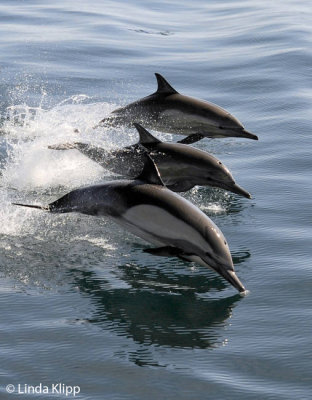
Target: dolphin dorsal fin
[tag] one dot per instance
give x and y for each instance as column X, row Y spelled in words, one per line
column 150, row 173
column 145, row 136
column 163, row 86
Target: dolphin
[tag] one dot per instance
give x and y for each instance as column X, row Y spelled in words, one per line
column 181, row 166
column 167, row 110
column 146, row 208
column 127, row 161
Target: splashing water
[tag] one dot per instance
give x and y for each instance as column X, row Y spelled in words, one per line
column 30, row 170
column 33, row 173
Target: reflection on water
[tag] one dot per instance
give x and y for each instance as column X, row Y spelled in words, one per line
column 67, row 65
column 156, row 317
column 160, row 307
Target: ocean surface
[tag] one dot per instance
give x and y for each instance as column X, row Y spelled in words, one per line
column 81, row 304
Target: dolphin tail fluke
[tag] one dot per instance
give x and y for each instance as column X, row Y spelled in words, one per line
column 45, row 208
column 195, row 137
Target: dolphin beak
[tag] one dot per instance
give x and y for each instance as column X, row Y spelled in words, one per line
column 239, row 190
column 248, row 135
column 234, row 188
column 232, row 278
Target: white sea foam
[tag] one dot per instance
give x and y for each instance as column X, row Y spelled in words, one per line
column 97, row 241
column 31, row 170
column 213, row 207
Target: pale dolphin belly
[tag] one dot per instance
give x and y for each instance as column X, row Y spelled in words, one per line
column 161, row 227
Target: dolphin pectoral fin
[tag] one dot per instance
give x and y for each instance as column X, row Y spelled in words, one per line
column 181, row 186
column 150, row 173
column 163, row 86
column 166, row 251
column 193, row 138
column 145, row 136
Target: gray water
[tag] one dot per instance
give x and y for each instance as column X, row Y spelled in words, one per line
column 81, row 304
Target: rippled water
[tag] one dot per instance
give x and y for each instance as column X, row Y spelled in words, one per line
column 80, row 302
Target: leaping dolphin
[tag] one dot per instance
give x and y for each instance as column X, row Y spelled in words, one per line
column 167, row 110
column 148, row 209
column 181, row 167
column 128, row 161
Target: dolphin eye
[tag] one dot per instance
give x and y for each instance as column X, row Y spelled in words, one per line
column 220, row 163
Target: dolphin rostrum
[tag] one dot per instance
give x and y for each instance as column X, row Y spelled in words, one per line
column 181, row 166
column 148, row 209
column 167, row 110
